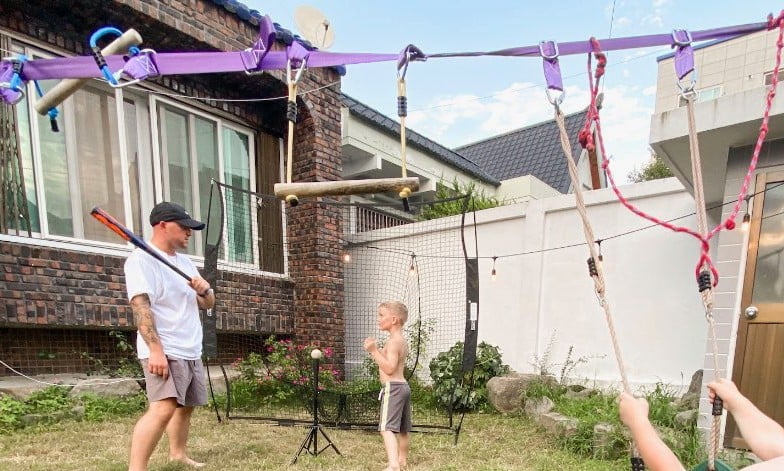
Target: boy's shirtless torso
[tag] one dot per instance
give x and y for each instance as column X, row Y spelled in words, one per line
column 395, row 344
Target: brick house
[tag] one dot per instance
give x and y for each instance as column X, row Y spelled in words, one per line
column 62, row 285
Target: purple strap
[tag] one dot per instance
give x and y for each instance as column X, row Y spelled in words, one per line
column 408, row 54
column 9, row 95
column 141, row 66
column 684, row 53
column 252, row 57
column 216, row 62
column 583, row 47
column 297, row 54
column 552, row 71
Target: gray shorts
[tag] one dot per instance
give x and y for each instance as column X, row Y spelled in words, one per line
column 184, row 383
column 395, row 407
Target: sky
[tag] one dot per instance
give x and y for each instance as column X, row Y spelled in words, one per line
column 457, row 101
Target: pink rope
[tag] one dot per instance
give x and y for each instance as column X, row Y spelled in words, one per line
column 586, row 139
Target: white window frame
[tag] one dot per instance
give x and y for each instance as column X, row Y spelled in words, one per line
column 700, row 95
column 162, row 191
column 151, row 181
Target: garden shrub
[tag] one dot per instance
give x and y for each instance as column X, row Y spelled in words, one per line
column 465, row 391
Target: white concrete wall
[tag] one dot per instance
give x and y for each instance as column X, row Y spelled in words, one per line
column 522, row 189
column 543, row 291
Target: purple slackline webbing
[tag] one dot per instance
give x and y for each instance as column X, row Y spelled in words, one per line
column 584, row 47
column 178, row 63
column 215, row 62
column 684, row 54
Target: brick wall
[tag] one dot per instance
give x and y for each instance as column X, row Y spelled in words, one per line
column 52, row 288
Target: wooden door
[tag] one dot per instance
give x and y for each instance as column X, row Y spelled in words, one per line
column 759, row 351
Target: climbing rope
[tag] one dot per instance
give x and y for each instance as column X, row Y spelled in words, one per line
column 595, row 268
column 706, row 273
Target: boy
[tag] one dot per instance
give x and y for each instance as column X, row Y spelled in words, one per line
column 764, row 436
column 395, row 393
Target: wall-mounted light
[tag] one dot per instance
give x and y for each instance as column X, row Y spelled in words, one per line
column 493, row 272
column 746, row 217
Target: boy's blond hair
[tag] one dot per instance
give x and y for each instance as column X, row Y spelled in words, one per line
column 399, row 309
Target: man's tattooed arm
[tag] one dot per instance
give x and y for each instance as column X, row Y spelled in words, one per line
column 142, row 317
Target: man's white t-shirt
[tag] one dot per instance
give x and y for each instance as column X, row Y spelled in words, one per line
column 174, row 307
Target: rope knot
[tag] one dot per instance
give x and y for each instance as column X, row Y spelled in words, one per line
column 586, row 139
column 777, row 22
column 601, row 58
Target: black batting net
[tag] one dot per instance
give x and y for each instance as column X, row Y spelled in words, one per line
column 262, row 368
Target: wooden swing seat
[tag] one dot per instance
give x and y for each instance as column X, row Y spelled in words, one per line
column 345, row 187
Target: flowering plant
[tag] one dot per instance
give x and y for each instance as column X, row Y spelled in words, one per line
column 285, row 367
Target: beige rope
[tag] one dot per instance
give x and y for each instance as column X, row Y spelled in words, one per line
column 598, row 279
column 707, row 295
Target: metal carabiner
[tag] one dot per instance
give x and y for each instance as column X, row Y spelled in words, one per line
column 550, row 57
column 679, row 42
column 687, row 91
column 298, row 73
column 552, row 72
column 15, row 84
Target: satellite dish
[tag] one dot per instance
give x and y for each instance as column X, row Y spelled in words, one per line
column 314, row 26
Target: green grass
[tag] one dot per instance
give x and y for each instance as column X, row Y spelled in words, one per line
column 487, row 442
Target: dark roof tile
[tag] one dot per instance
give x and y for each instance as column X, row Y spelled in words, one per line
column 533, row 150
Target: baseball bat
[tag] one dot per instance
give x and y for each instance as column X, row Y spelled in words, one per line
column 107, row 220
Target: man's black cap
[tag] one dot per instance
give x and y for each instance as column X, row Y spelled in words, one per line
column 167, row 212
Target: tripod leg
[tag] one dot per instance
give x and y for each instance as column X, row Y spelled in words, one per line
column 305, row 446
column 330, row 443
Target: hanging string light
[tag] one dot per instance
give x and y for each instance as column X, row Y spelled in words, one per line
column 746, row 217
column 599, row 245
column 493, row 272
column 346, row 257
column 412, row 269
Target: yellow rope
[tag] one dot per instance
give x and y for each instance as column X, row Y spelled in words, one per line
column 401, row 93
column 290, row 144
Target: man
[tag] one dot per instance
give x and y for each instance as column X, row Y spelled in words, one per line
column 169, row 341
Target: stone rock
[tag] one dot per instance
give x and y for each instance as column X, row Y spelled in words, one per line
column 687, row 418
column 558, row 424
column 688, row 401
column 537, row 406
column 574, row 392
column 217, row 379
column 695, row 386
column 505, row 392
column 605, row 444
column 104, row 386
column 78, row 411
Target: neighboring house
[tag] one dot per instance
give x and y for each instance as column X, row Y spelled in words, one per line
column 535, row 153
column 371, row 149
column 517, row 166
column 125, row 149
column 733, row 78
